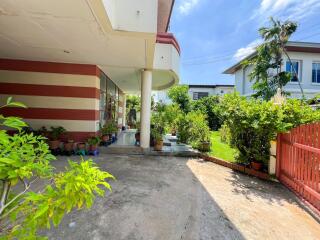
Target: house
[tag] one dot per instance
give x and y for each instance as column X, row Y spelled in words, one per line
column 199, row 91
column 196, row 92
column 73, row 62
column 306, row 60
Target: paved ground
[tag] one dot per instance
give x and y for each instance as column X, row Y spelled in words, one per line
column 179, row 198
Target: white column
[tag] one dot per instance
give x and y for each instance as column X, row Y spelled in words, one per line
column 145, row 115
column 124, row 110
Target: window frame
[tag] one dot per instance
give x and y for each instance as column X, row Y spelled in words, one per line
column 315, row 83
column 300, row 62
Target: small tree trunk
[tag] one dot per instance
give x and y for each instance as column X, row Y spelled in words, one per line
column 4, row 195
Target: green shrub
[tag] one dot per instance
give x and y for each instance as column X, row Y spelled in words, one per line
column 211, row 107
column 193, row 128
column 179, row 95
column 26, row 158
column 225, row 134
column 254, row 123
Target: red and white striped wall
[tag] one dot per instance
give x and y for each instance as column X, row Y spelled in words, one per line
column 57, row 94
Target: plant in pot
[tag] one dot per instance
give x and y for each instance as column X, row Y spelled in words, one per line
column 93, row 143
column 205, row 144
column 158, row 140
column 105, row 134
column 55, row 134
column 68, row 146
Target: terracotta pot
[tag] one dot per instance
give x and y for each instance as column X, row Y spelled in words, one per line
column 158, row 145
column 68, row 146
column 256, row 165
column 105, row 138
column 81, row 146
column 93, row 147
column 54, row 144
column 205, row 146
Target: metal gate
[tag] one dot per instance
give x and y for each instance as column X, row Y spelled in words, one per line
column 298, row 162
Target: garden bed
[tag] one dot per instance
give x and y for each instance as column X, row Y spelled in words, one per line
column 236, row 167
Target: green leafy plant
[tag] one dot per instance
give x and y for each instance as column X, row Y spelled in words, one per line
column 93, row 141
column 210, row 107
column 25, row 159
column 253, row 123
column 109, row 128
column 56, row 132
column 158, row 122
column 193, row 128
column 267, row 74
column 179, row 95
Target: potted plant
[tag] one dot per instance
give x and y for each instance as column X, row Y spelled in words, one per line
column 109, row 129
column 81, row 146
column 256, row 165
column 158, row 141
column 93, row 143
column 68, row 146
column 55, row 135
column 205, row 144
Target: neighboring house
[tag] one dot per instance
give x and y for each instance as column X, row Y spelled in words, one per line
column 306, row 60
column 73, row 62
column 199, row 91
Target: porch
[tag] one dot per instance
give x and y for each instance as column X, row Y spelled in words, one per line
column 126, row 144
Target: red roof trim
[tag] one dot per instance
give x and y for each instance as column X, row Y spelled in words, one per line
column 168, row 38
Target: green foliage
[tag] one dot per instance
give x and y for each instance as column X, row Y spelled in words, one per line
column 225, row 135
column 109, row 128
column 210, row 107
column 179, row 95
column 193, row 128
column 56, row 132
column 254, row 123
column 158, row 121
column 93, row 141
column 267, row 74
column 25, row 158
column 75, row 188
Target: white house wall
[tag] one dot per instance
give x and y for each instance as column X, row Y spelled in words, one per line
column 134, row 16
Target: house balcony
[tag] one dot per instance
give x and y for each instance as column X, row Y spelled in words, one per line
column 166, row 61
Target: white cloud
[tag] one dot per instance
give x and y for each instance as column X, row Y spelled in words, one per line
column 286, row 9
column 246, row 51
column 186, row 6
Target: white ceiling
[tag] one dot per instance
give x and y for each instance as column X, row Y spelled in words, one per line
column 67, row 31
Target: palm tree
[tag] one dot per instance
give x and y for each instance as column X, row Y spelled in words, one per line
column 278, row 36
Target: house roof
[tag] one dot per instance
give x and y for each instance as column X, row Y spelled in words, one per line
column 210, row 86
column 290, row 46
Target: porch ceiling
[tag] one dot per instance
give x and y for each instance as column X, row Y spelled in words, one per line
column 75, row 31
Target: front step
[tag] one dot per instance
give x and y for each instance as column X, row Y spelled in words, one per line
column 130, row 150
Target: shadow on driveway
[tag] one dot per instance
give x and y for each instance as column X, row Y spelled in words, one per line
column 180, row 198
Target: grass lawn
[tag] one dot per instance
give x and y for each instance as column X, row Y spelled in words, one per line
column 221, row 150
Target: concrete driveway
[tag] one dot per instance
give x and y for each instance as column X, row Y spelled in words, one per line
column 180, row 198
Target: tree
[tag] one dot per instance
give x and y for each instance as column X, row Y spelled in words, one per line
column 26, row 158
column 179, row 95
column 267, row 62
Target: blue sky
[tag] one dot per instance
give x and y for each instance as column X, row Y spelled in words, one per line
column 214, row 34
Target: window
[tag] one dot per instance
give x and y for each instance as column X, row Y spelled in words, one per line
column 198, row 95
column 316, row 72
column 291, row 67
